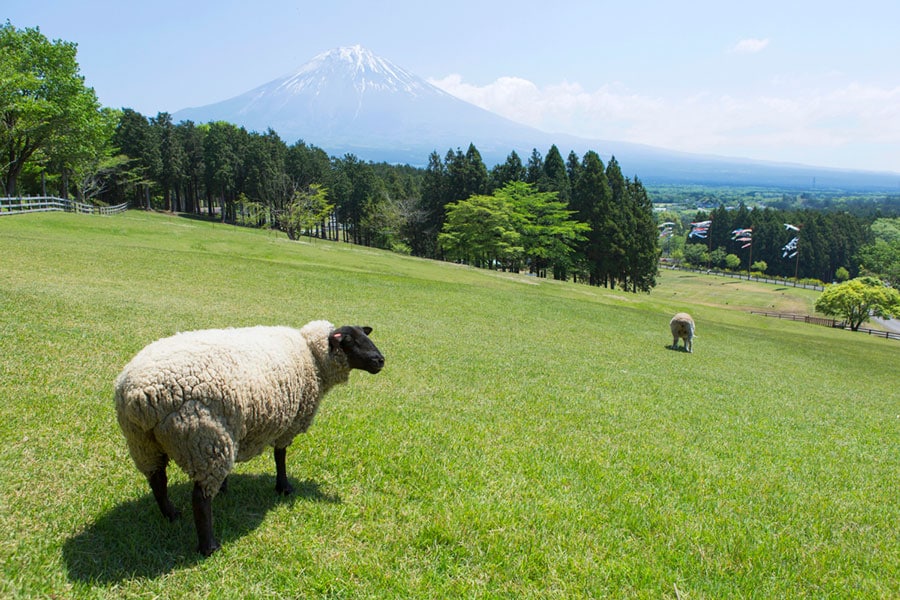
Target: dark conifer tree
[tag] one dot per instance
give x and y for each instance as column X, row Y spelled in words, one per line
column 573, row 168
column 642, row 253
column 556, row 179
column 171, row 174
column 534, row 171
column 135, row 138
column 619, row 227
column 191, row 139
column 476, row 174
column 359, row 197
column 222, row 151
column 510, row 171
column 591, row 198
column 435, row 193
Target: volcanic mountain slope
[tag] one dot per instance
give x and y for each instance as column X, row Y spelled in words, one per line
column 348, row 100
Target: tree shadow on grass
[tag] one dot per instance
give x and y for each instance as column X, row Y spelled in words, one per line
column 200, row 217
column 134, row 540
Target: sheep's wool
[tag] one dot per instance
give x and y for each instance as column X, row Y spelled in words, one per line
column 682, row 326
column 207, row 399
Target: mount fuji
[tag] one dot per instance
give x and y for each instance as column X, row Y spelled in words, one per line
column 348, row 100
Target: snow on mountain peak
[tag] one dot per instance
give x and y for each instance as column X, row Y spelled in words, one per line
column 357, row 66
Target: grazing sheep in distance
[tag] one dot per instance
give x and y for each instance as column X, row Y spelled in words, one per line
column 207, row 399
column 682, row 326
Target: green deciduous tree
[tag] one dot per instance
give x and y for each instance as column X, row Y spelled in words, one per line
column 547, row 230
column 718, row 256
column 882, row 257
column 760, row 266
column 858, row 299
column 696, row 255
column 480, row 231
column 46, row 111
column 306, row 210
column 732, row 262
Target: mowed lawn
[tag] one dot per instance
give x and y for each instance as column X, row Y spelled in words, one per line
column 526, row 439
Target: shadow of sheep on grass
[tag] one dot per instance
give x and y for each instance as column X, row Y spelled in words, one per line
column 101, row 554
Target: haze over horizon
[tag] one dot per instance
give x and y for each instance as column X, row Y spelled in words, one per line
column 806, row 82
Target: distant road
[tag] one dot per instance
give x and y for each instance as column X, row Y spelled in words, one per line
column 889, row 324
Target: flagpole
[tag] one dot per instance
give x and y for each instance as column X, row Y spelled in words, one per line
column 750, row 259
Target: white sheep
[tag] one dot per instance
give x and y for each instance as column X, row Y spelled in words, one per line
column 682, row 326
column 207, row 399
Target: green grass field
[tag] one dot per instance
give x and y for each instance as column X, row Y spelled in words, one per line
column 526, row 439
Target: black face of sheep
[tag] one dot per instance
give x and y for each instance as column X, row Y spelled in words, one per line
column 361, row 353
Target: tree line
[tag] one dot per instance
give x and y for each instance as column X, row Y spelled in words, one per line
column 828, row 246
column 577, row 219
column 572, row 218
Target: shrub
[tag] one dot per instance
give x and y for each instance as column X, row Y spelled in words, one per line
column 733, row 262
column 696, row 254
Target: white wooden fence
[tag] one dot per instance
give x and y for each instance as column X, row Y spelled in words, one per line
column 30, row 204
column 763, row 279
column 891, row 335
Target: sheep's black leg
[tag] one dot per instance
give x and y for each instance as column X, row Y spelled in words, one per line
column 159, row 483
column 224, row 487
column 207, row 543
column 282, row 486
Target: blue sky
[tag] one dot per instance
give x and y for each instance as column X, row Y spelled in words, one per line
column 812, row 82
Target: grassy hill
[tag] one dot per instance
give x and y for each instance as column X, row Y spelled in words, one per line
column 526, row 439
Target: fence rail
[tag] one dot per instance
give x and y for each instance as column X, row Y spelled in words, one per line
column 32, row 204
column 827, row 322
column 763, row 279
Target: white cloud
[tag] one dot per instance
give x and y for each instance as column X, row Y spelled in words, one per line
column 806, row 125
column 750, row 46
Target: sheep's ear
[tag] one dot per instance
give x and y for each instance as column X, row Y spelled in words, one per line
column 334, row 340
column 367, row 330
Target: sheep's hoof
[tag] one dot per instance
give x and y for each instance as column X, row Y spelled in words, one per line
column 171, row 513
column 285, row 489
column 209, row 548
